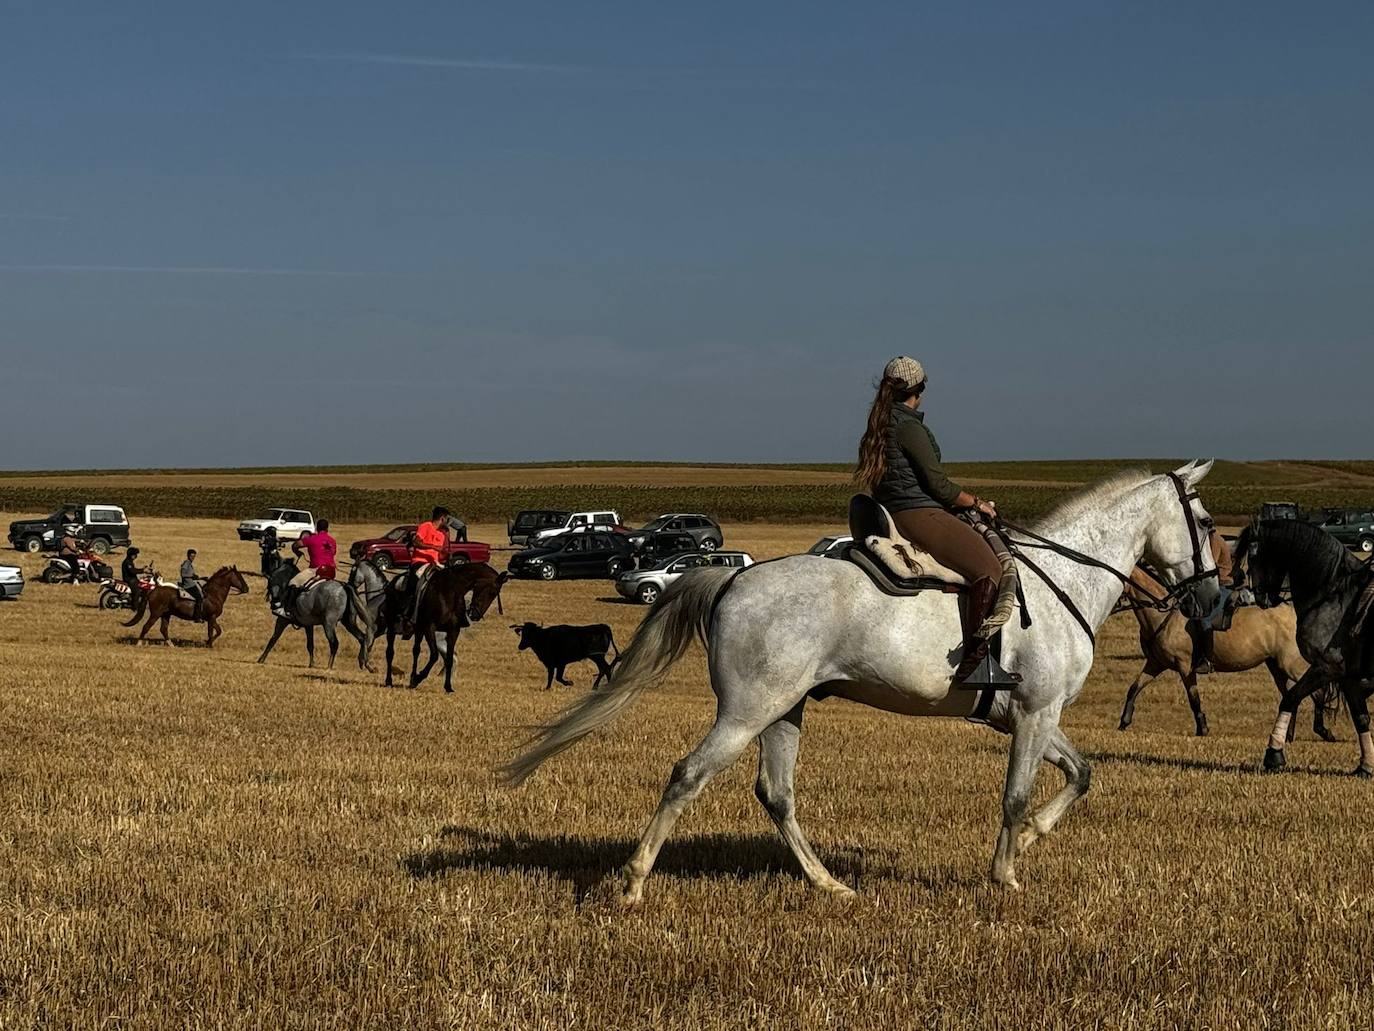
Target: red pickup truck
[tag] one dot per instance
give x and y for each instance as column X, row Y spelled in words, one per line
column 393, row 549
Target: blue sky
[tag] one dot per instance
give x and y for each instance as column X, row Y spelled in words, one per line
column 413, row 232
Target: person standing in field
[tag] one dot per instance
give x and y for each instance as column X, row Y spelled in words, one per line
column 426, row 553
column 190, row 583
column 900, row 465
column 321, row 551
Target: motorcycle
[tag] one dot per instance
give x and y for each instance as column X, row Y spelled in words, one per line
column 89, row 570
column 115, row 594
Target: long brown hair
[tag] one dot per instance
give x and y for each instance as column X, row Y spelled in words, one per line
column 873, row 447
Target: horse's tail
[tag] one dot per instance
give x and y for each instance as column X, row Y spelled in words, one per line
column 359, row 606
column 682, row 612
column 140, row 606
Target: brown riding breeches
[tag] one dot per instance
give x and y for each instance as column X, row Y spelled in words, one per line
column 950, row 540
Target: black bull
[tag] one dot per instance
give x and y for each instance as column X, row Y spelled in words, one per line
column 557, row 647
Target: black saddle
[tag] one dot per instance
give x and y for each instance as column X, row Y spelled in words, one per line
column 868, row 519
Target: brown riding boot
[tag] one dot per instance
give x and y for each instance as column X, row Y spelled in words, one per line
column 982, row 595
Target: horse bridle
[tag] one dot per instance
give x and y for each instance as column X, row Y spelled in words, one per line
column 1186, row 498
column 1172, row 593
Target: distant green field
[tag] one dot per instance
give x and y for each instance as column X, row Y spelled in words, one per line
column 785, row 502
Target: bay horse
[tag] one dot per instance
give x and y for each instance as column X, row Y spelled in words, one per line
column 779, row 631
column 166, row 601
column 442, row 608
column 1327, row 582
column 1257, row 635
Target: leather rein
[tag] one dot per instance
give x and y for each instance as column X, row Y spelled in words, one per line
column 1172, row 594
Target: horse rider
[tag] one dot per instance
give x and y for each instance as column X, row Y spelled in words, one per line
column 1203, row 630
column 426, row 552
column 69, row 551
column 190, row 583
column 900, row 465
column 321, row 551
column 268, row 545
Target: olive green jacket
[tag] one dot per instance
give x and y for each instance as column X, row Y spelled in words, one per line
column 914, row 477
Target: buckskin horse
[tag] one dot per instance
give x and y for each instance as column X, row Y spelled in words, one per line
column 778, row 631
column 166, row 601
column 1257, row 635
column 441, row 609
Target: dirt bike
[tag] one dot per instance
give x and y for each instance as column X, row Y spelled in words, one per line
column 89, row 570
column 115, row 594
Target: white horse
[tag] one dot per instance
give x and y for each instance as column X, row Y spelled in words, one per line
column 784, row 629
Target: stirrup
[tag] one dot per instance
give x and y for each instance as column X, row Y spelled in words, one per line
column 989, row 673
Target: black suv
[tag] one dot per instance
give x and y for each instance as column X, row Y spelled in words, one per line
column 600, row 555
column 705, row 531
column 1353, row 527
column 101, row 526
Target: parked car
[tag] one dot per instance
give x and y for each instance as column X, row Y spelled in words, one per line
column 1353, row 527
column 704, row 530
column 595, row 554
column 646, row 584
column 393, row 549
column 663, row 544
column 102, row 527
column 529, row 522
column 831, row 547
column 604, row 521
column 290, row 523
column 11, row 581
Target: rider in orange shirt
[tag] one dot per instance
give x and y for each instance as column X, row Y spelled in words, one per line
column 426, row 551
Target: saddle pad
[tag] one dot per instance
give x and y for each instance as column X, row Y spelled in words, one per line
column 905, row 561
column 894, row 585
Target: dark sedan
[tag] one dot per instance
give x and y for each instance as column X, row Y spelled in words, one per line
column 587, row 555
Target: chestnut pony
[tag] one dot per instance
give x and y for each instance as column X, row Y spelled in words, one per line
column 166, row 601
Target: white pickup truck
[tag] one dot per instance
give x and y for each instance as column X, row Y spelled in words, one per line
column 290, row 523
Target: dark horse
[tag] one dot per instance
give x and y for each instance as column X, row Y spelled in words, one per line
column 166, row 601
column 441, row 609
column 1327, row 582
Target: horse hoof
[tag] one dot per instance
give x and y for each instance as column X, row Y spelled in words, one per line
column 1327, row 736
column 1274, row 760
column 1123, row 725
column 1363, row 772
column 1202, row 730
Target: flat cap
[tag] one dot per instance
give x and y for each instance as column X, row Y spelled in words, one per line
column 906, row 371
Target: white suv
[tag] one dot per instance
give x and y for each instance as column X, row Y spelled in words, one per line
column 290, row 523
column 603, row 520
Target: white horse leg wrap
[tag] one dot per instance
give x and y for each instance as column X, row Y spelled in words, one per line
column 1279, row 737
column 1367, row 750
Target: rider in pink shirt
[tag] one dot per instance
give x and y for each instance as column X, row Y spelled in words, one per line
column 321, row 550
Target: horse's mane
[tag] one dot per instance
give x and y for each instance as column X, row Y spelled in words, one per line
column 1306, row 542
column 1092, row 495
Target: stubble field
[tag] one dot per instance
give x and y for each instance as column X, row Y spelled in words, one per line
column 190, row 839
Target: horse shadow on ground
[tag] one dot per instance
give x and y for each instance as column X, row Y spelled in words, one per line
column 584, row 863
column 157, row 642
column 1204, row 765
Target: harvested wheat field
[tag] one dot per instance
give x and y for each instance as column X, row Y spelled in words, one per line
column 194, row 840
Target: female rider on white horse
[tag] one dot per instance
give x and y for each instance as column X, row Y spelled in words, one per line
column 899, row 464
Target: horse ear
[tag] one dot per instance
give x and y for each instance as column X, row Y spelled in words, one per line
column 1193, row 473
